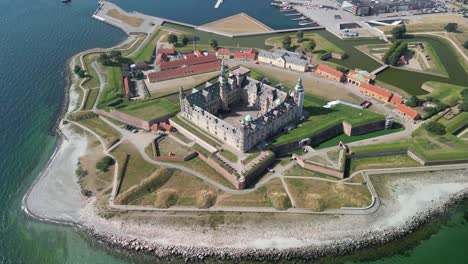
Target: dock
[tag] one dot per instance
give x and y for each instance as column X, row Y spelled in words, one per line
column 218, row 3
column 380, row 69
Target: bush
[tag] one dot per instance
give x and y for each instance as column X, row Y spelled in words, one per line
column 342, row 69
column 465, row 45
column 435, row 128
column 311, row 45
column 399, row 31
column 166, row 198
column 287, row 42
column 214, row 44
column 205, row 199
column 172, row 39
column 451, row 27
column 105, row 163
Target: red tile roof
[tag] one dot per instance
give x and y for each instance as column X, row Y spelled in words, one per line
column 224, row 52
column 329, row 70
column 126, row 86
column 245, row 54
column 184, row 71
column 396, row 100
column 408, row 111
column 198, row 53
column 187, row 62
column 376, row 89
column 166, row 50
column 189, row 55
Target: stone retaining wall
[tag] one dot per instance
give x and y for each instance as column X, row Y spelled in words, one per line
column 132, row 120
column 193, row 137
column 228, row 176
column 317, row 168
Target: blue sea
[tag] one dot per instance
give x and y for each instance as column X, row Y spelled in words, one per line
column 37, row 37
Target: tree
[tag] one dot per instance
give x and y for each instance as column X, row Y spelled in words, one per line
column 451, row 27
column 311, row 45
column 104, row 59
column 172, row 39
column 81, row 73
column 214, row 44
column 115, row 55
column 185, row 40
column 435, row 128
column 287, row 42
column 413, row 101
column 77, row 69
column 464, row 93
column 463, row 106
column 399, row 31
column 465, row 45
column 300, row 36
column 104, row 163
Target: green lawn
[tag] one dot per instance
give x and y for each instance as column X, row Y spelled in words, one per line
column 392, row 146
column 297, row 170
column 109, row 134
column 92, row 96
column 197, row 132
column 93, row 80
column 348, row 139
column 151, row 109
column 322, row 45
column 448, row 94
column 321, row 118
column 456, row 122
column 146, row 52
column 393, row 161
column 228, row 155
column 137, row 168
column 114, row 88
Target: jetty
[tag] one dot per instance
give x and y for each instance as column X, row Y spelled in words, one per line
column 218, row 3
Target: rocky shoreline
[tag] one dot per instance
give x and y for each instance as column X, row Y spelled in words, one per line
column 133, row 245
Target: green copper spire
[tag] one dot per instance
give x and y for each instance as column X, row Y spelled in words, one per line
column 299, row 87
column 222, row 77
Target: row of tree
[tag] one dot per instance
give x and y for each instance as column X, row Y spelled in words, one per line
column 174, row 39
column 398, row 49
column 113, row 58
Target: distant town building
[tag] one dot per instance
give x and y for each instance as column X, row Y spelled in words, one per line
column 223, row 54
column 267, row 110
column 372, row 7
column 330, row 73
column 284, row 59
column 245, row 55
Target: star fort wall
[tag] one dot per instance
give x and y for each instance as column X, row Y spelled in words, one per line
column 240, row 110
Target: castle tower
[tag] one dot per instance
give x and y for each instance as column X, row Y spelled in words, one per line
column 223, row 88
column 182, row 99
column 299, row 97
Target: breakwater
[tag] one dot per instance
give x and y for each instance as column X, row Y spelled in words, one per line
column 341, row 247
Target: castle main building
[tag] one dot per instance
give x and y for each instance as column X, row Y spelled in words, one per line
column 240, row 110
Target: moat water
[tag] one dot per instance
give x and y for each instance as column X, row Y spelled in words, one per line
column 37, row 37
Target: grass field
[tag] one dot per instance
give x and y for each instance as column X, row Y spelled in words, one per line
column 348, row 139
column 190, row 191
column 394, row 161
column 320, row 195
column 92, row 96
column 151, row 109
column 228, row 155
column 169, row 145
column 145, row 53
column 137, row 168
column 197, row 132
column 322, row 118
column 271, row 194
column 93, row 80
column 448, row 94
column 200, row 166
column 114, row 88
column 322, row 45
column 455, row 123
column 109, row 134
column 297, row 170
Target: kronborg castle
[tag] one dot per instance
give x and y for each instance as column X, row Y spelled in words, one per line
column 240, row 110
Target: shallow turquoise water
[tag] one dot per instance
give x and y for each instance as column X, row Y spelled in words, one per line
column 36, row 39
